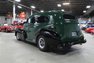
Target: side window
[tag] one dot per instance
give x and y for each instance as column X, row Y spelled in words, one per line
column 42, row 19
column 31, row 20
column 38, row 19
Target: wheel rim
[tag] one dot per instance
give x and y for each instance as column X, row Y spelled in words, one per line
column 41, row 43
column 17, row 36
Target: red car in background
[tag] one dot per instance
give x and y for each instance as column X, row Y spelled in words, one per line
column 0, row 28
column 7, row 28
column 19, row 26
column 89, row 30
column 11, row 28
column 92, row 32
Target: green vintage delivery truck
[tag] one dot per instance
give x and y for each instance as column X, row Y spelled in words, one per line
column 51, row 30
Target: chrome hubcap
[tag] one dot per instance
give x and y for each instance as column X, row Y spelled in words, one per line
column 41, row 43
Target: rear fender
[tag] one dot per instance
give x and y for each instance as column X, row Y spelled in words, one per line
column 53, row 39
column 49, row 34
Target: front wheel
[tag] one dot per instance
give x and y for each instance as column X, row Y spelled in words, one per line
column 23, row 37
column 42, row 43
column 18, row 37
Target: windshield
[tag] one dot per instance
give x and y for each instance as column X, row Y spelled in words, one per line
column 66, row 16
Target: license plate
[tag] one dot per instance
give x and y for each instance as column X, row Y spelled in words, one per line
column 74, row 34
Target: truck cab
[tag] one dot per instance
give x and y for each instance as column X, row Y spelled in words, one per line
column 51, row 29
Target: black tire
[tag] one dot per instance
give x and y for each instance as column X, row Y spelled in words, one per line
column 18, row 36
column 42, row 43
column 23, row 37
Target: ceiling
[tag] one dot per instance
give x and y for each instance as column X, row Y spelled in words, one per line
column 76, row 7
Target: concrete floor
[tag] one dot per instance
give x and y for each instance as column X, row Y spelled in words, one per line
column 13, row 51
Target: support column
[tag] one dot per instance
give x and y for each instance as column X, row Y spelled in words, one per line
column 14, row 11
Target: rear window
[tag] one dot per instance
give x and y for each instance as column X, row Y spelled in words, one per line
column 69, row 19
column 66, row 16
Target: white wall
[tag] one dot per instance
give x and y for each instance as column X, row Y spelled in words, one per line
column 9, row 21
column 2, row 20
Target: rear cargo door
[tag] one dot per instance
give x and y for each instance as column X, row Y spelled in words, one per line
column 71, row 28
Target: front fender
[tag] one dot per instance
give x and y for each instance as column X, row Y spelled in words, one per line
column 18, row 31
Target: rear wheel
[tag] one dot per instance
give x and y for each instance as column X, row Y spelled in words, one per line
column 42, row 43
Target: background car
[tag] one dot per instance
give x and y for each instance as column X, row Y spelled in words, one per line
column 19, row 26
column 7, row 28
column 0, row 28
column 89, row 27
column 89, row 30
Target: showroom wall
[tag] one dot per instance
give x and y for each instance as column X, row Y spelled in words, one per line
column 2, row 19
column 9, row 21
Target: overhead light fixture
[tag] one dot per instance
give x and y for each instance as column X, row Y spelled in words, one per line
column 41, row 10
column 19, row 7
column 84, row 11
column 33, row 7
column 66, row 3
column 58, row 5
column 88, row 6
column 62, row 10
column 18, row 0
